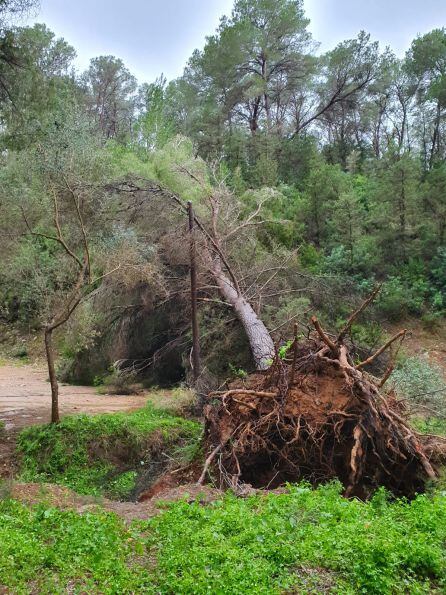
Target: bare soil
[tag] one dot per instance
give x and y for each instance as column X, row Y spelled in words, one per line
column 423, row 342
column 64, row 498
column 25, row 400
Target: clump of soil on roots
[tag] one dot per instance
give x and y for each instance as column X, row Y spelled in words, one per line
column 315, row 416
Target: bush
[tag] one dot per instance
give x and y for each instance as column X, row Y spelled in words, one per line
column 105, row 454
column 393, row 300
column 418, row 380
column 431, row 321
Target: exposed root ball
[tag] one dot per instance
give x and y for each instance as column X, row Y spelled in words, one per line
column 315, row 416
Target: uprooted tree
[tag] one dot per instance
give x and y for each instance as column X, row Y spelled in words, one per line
column 216, row 235
column 316, row 415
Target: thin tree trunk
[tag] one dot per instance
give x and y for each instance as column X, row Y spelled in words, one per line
column 52, row 374
column 260, row 341
column 196, row 364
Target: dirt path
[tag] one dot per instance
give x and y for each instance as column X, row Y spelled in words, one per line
column 25, row 398
column 64, row 498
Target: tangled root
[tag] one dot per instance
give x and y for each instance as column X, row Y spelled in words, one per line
column 315, row 416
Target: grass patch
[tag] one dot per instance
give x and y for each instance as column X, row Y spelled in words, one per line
column 260, row 544
column 308, row 541
column 106, row 454
column 430, row 425
column 45, row 550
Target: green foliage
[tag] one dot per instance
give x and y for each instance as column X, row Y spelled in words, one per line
column 81, row 331
column 48, row 550
column 342, row 153
column 308, row 540
column 394, row 300
column 237, row 372
column 430, row 425
column 283, row 349
column 102, row 454
column 369, row 334
column 260, row 544
column 123, row 485
column 427, row 59
column 420, row 382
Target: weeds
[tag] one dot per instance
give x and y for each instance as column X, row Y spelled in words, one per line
column 258, row 545
column 102, row 455
column 306, row 540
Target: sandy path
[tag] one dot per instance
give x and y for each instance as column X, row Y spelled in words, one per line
column 25, row 398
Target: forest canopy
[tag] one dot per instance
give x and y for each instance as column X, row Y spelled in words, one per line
column 315, row 175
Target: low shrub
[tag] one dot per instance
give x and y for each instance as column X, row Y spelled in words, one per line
column 421, row 382
column 106, row 454
column 302, row 541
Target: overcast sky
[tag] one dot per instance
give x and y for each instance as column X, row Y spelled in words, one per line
column 158, row 36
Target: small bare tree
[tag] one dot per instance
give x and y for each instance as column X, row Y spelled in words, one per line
column 64, row 203
column 82, row 282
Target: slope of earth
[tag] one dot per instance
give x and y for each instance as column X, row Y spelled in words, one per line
column 25, row 401
column 424, row 342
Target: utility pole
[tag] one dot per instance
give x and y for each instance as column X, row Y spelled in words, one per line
column 196, row 363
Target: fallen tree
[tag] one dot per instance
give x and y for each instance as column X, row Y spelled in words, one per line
column 215, row 264
column 316, row 415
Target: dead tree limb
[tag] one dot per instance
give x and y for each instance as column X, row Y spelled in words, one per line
column 196, row 363
column 355, row 314
column 293, row 365
column 333, row 347
column 372, row 358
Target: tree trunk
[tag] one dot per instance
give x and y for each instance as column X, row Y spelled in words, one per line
column 260, row 341
column 196, row 363
column 52, row 373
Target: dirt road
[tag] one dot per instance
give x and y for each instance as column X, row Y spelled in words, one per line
column 25, row 398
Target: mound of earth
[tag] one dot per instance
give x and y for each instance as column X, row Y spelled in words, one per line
column 316, row 416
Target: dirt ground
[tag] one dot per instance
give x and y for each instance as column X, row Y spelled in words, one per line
column 62, row 497
column 25, row 400
column 429, row 344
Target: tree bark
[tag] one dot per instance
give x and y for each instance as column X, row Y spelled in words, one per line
column 260, row 341
column 196, row 363
column 52, row 374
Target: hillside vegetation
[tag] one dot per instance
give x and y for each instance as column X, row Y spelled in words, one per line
column 316, row 175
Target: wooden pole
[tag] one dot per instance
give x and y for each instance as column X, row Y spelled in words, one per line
column 293, row 366
column 196, row 363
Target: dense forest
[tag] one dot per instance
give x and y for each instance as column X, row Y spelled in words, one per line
column 245, row 269
column 318, row 175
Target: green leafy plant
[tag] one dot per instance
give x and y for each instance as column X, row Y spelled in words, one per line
column 238, row 372
column 283, row 349
column 303, row 540
column 102, row 454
